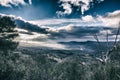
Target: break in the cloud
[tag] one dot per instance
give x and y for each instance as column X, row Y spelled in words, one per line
column 83, row 5
column 9, row 3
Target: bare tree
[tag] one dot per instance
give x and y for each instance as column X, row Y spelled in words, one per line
column 106, row 55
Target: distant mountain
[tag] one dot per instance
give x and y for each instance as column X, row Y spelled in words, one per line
column 88, row 46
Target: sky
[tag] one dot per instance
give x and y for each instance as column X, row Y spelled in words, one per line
column 42, row 9
column 54, row 22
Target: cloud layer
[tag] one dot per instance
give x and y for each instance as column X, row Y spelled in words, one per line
column 109, row 20
column 51, row 32
column 81, row 29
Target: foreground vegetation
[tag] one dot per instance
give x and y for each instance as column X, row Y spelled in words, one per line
column 27, row 65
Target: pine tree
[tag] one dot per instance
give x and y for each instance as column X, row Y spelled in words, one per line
column 7, row 34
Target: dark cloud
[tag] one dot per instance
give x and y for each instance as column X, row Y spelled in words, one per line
column 30, row 27
column 80, row 32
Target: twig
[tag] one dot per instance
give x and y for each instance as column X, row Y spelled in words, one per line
column 117, row 35
column 96, row 38
column 107, row 41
